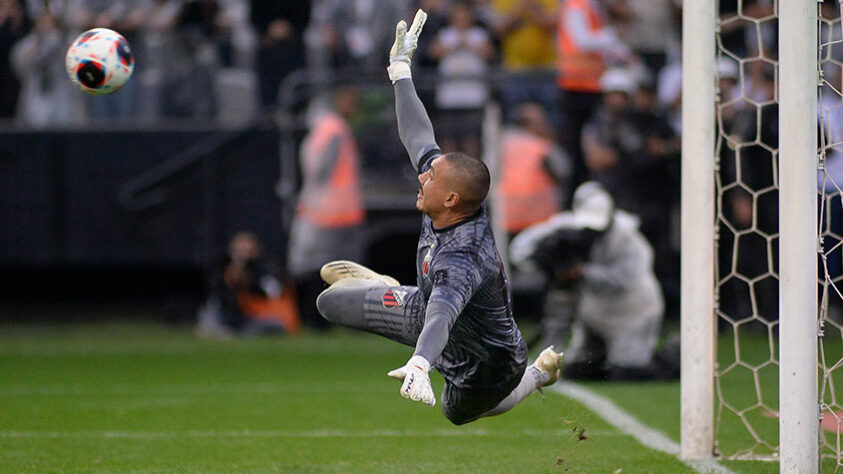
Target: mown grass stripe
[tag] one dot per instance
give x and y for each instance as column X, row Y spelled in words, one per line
column 292, row 434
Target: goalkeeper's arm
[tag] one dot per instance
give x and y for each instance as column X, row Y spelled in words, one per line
column 432, row 340
column 414, row 126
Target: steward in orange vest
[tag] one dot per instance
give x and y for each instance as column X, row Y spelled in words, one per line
column 330, row 195
column 330, row 212
column 584, row 44
column 579, row 66
column 533, row 170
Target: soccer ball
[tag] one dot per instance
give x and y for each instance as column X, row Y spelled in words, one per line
column 99, row 61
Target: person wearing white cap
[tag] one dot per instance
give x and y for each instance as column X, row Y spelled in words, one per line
column 596, row 254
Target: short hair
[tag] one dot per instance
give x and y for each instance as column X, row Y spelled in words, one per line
column 471, row 178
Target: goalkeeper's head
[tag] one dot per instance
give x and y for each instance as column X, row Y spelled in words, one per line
column 453, row 187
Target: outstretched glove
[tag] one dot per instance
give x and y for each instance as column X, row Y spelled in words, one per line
column 405, row 44
column 416, row 385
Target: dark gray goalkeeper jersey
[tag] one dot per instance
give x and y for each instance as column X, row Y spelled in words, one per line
column 460, row 273
column 468, row 333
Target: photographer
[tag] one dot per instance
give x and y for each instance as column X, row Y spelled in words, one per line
column 247, row 295
column 601, row 285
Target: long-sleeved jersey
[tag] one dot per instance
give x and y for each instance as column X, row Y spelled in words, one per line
column 469, row 332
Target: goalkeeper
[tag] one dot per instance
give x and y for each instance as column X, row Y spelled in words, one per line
column 458, row 317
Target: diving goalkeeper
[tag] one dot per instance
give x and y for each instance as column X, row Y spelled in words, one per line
column 458, row 317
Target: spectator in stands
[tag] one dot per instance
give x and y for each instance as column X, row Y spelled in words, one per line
column 247, row 294
column 14, row 24
column 236, row 82
column 234, row 35
column 661, row 191
column 525, row 29
column 197, row 28
column 280, row 27
column 327, row 225
column 352, row 34
column 47, row 98
column 438, row 12
column 650, row 28
column 163, row 53
column 669, row 93
column 611, row 139
column 596, row 255
column 585, row 43
column 181, row 58
column 630, row 152
column 463, row 50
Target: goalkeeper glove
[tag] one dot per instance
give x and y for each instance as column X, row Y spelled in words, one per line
column 416, row 385
column 405, row 44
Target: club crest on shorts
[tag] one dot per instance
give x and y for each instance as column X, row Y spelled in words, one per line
column 393, row 299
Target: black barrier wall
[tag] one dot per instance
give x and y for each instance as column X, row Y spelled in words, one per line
column 164, row 198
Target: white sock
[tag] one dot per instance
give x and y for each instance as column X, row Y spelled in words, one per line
column 533, row 378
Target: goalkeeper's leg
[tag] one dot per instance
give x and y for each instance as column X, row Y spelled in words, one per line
column 394, row 312
column 544, row 371
column 502, row 390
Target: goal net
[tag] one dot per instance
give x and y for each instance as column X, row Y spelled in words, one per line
column 830, row 230
column 746, row 234
column 749, row 224
column 763, row 345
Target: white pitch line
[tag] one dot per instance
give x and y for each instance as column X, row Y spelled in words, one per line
column 626, row 423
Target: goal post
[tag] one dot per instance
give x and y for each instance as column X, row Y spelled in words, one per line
column 798, row 74
column 714, row 201
column 697, row 229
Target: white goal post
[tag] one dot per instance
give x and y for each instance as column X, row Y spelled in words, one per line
column 799, row 442
column 697, row 229
column 798, row 402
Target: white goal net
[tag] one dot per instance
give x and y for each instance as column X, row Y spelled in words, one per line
column 830, row 230
column 747, row 232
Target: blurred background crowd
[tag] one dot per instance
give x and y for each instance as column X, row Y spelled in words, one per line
column 590, row 90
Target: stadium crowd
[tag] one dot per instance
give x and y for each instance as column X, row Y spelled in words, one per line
column 590, row 88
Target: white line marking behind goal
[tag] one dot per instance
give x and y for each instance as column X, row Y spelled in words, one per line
column 624, row 422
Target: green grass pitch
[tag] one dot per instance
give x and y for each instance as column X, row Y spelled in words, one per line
column 143, row 397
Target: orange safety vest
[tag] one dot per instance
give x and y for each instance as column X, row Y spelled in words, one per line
column 579, row 70
column 530, row 195
column 336, row 201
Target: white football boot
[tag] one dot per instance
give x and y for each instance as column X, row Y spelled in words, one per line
column 549, row 362
column 337, row 270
